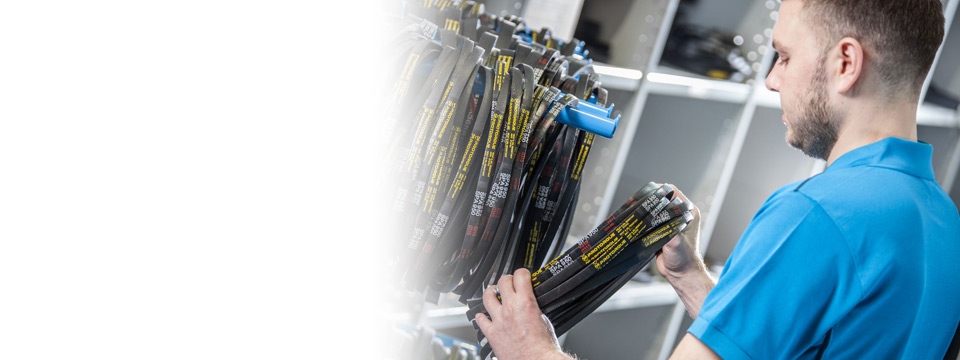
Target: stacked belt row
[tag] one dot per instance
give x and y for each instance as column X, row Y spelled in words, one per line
column 473, row 110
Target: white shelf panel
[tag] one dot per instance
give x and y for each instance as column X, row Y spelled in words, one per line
column 677, row 83
column 446, row 317
column 767, row 98
column 933, row 115
column 618, row 78
column 630, row 296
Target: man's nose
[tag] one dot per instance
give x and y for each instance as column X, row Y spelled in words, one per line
column 773, row 80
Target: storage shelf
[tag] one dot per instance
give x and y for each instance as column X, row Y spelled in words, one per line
column 933, row 115
column 668, row 81
column 446, row 317
column 618, row 78
column 630, row 296
column 767, row 98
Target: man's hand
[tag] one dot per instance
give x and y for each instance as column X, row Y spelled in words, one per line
column 516, row 329
column 680, row 255
column 681, row 264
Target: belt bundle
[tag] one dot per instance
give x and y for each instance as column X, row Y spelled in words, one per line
column 483, row 106
column 574, row 284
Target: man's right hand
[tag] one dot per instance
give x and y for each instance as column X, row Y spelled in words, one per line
column 680, row 255
column 681, row 264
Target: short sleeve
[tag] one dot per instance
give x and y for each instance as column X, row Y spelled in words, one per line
column 789, row 279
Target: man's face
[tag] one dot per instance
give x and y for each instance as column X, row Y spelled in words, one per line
column 800, row 77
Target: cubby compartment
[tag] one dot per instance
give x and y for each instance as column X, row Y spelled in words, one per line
column 623, row 33
column 766, row 163
column 724, row 40
column 614, row 334
column 681, row 141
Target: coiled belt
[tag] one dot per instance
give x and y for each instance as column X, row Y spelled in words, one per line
column 574, row 284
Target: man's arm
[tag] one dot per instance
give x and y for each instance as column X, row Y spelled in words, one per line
column 682, row 266
column 692, row 348
column 692, row 288
column 790, row 278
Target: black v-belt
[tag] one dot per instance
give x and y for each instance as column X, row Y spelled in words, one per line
column 575, row 283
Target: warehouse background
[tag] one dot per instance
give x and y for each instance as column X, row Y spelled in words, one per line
column 697, row 115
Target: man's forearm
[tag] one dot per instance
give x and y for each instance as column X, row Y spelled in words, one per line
column 692, row 288
column 560, row 356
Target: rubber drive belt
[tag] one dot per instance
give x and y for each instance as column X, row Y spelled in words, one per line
column 578, row 281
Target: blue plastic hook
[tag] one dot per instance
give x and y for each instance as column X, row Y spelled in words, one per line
column 590, row 117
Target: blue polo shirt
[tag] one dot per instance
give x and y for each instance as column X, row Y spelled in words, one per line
column 869, row 250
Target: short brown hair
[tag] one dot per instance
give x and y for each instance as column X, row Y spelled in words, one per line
column 901, row 36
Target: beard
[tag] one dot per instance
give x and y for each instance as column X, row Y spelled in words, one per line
column 815, row 130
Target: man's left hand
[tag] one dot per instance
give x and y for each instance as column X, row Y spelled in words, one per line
column 516, row 329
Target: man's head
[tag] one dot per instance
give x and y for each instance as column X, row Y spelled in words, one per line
column 838, row 54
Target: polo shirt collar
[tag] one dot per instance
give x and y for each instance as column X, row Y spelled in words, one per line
column 911, row 157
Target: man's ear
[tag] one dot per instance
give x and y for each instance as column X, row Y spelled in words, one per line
column 849, row 61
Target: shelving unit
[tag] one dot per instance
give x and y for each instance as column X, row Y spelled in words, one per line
column 449, row 316
column 618, row 78
column 619, row 334
column 669, row 81
column 712, row 138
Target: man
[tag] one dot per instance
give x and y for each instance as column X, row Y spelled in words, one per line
column 860, row 261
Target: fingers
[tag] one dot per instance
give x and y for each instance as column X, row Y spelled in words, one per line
column 522, row 283
column 679, row 194
column 483, row 322
column 505, row 285
column 490, row 301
